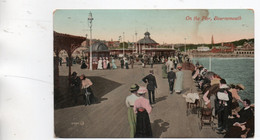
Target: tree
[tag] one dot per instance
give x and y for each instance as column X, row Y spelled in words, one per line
column 121, row 45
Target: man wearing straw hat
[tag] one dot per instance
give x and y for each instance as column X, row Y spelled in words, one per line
column 130, row 100
column 143, row 108
column 150, row 79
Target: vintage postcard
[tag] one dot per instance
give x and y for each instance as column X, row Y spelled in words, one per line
column 154, row 73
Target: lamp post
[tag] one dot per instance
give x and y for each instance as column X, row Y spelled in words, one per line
column 86, row 47
column 185, row 45
column 136, row 42
column 90, row 18
column 132, row 44
column 124, row 44
column 119, row 39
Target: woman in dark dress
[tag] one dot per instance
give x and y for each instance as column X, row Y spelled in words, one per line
column 85, row 85
column 142, row 109
column 108, row 63
column 83, row 65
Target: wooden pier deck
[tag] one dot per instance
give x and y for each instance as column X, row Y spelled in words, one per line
column 108, row 118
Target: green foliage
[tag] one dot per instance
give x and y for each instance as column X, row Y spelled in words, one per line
column 121, row 45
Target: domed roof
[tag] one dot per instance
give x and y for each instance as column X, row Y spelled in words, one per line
column 99, row 47
column 147, row 33
column 147, row 39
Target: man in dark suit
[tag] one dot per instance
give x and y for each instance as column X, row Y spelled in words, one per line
column 122, row 63
column 75, row 87
column 243, row 115
column 171, row 77
column 150, row 79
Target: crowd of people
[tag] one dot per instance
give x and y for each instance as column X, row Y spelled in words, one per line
column 219, row 97
column 222, row 99
column 104, row 63
column 139, row 108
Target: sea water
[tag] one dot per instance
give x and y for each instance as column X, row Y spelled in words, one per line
column 234, row 71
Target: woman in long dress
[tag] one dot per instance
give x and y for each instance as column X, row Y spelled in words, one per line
column 164, row 71
column 85, row 86
column 104, row 63
column 130, row 101
column 179, row 80
column 113, row 64
column 83, row 65
column 142, row 108
column 100, row 64
column 108, row 63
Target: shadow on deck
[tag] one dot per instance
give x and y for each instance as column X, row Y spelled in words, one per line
column 158, row 127
column 63, row 98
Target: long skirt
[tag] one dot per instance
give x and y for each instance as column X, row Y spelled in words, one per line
column 104, row 64
column 164, row 73
column 132, row 121
column 143, row 125
column 90, row 99
column 178, row 82
column 108, row 65
column 83, row 65
column 100, row 65
column 114, row 65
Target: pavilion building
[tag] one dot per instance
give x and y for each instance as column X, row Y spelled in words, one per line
column 146, row 42
column 146, row 46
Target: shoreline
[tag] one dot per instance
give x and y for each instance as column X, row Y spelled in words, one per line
column 222, row 55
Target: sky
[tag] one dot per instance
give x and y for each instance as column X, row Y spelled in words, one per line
column 165, row 25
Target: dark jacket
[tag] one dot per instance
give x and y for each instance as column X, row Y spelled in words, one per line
column 245, row 115
column 122, row 62
column 151, row 82
column 171, row 76
column 75, row 82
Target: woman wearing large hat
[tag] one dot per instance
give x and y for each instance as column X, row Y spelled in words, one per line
column 86, row 87
column 179, row 80
column 234, row 90
column 130, row 100
column 143, row 108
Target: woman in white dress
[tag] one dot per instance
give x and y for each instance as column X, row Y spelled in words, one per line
column 100, row 64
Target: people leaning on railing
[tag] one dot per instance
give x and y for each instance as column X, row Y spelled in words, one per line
column 223, row 101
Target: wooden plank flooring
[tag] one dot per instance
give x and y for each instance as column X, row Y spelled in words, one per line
column 108, row 119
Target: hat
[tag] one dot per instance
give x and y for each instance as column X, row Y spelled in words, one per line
column 241, row 86
column 134, row 87
column 200, row 66
column 74, row 73
column 142, row 90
